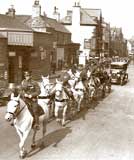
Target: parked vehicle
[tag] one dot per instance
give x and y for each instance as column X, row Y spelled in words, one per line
column 119, row 73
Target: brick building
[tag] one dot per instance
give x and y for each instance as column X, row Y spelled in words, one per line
column 32, row 42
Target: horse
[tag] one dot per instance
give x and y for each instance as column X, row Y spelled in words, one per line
column 61, row 101
column 44, row 99
column 78, row 90
column 72, row 79
column 17, row 110
column 107, row 82
column 93, row 85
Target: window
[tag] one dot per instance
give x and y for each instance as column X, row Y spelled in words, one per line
column 87, row 43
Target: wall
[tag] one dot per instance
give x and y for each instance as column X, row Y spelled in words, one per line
column 3, row 62
column 84, row 33
column 40, row 57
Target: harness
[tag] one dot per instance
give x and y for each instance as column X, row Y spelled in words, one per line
column 63, row 100
column 44, row 97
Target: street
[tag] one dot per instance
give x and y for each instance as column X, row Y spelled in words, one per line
column 104, row 132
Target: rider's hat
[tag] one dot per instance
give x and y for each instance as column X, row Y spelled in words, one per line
column 27, row 73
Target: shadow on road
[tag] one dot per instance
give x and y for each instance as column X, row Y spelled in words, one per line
column 53, row 138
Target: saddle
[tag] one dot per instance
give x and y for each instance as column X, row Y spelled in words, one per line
column 39, row 109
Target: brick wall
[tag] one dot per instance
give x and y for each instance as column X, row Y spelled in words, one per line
column 40, row 57
column 3, row 62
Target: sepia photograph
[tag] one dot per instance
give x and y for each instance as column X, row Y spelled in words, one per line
column 66, row 80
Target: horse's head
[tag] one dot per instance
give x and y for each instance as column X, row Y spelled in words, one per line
column 88, row 74
column 77, row 76
column 58, row 87
column 12, row 107
column 46, row 82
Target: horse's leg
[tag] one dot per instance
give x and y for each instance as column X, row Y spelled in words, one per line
column 45, row 107
column 33, row 145
column 64, row 115
column 56, row 113
column 23, row 137
column 46, row 110
column 79, row 103
column 21, row 145
column 44, row 124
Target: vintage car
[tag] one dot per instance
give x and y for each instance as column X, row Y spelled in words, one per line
column 118, row 72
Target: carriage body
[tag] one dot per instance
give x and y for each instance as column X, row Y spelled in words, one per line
column 119, row 73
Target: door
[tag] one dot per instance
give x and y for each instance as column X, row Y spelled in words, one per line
column 11, row 70
column 25, row 64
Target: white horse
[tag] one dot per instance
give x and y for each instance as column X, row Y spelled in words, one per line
column 78, row 90
column 91, row 85
column 72, row 79
column 61, row 103
column 94, row 85
column 44, row 97
column 17, row 110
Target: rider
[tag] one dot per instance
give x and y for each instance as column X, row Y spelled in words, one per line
column 31, row 90
column 64, row 77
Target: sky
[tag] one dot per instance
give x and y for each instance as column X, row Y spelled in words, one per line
column 119, row 13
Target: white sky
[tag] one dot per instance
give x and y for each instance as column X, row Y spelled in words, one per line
column 119, row 13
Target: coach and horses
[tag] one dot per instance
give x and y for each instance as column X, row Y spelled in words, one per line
column 54, row 100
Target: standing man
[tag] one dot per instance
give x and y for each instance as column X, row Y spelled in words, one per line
column 30, row 91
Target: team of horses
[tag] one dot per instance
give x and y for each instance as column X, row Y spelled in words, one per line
column 53, row 100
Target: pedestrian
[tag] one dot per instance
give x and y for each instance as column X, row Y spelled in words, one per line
column 53, row 66
column 30, row 91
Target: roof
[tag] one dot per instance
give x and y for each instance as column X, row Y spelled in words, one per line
column 56, row 25
column 93, row 12
column 43, row 22
column 88, row 16
column 12, row 23
column 23, row 18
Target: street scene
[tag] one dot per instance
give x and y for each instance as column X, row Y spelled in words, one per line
column 104, row 131
column 66, row 80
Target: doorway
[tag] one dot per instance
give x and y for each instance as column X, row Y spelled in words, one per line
column 11, row 69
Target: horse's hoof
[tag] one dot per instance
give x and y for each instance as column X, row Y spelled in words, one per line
column 63, row 124
column 23, row 155
column 33, row 146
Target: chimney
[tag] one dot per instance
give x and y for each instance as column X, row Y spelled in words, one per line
column 44, row 14
column 11, row 11
column 56, row 14
column 36, row 9
column 76, row 23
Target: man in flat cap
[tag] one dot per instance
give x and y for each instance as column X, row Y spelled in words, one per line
column 30, row 91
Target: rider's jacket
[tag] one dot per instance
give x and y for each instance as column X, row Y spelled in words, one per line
column 30, row 87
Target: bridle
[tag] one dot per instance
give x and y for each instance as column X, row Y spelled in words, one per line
column 18, row 109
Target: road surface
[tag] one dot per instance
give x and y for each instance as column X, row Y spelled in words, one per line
column 104, row 132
